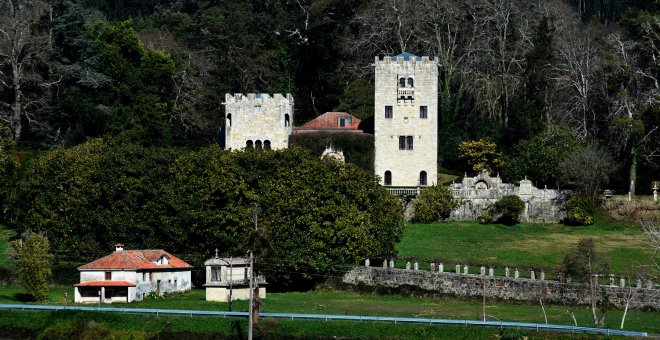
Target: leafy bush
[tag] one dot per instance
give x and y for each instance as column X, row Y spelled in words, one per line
column 579, row 211
column 434, row 203
column 508, row 209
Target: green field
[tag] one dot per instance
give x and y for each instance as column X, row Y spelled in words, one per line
column 325, row 301
column 525, row 244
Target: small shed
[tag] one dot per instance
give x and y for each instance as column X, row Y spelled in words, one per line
column 229, row 277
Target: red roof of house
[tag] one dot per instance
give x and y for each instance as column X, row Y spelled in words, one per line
column 330, row 120
column 105, row 284
column 135, row 259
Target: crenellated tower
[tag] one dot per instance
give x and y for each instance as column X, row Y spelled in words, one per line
column 406, row 120
column 258, row 120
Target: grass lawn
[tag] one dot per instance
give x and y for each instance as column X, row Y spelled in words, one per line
column 325, row 301
column 525, row 244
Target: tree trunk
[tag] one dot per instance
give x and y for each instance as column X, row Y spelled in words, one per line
column 633, row 170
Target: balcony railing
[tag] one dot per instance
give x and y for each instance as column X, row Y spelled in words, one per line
column 405, row 93
column 403, row 191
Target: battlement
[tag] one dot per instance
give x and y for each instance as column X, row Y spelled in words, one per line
column 406, row 58
column 258, row 98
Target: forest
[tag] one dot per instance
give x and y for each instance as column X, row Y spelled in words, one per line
column 110, row 111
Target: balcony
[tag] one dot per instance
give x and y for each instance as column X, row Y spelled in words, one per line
column 405, row 93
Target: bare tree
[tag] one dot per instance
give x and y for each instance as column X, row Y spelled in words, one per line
column 587, row 169
column 23, row 46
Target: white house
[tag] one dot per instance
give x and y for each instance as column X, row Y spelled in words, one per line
column 131, row 275
column 225, row 276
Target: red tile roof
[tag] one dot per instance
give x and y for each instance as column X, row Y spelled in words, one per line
column 105, row 284
column 135, row 259
column 330, row 120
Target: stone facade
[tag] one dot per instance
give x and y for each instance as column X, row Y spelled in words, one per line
column 225, row 274
column 501, row 287
column 477, row 194
column 406, row 120
column 258, row 120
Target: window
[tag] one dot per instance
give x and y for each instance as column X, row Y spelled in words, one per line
column 108, row 276
column 287, row 120
column 388, row 112
column 405, row 142
column 257, row 145
column 345, row 121
column 144, row 276
column 388, row 177
column 215, row 273
column 151, row 276
column 411, row 82
column 422, row 178
column 266, row 144
column 423, row 112
column 402, row 82
column 249, row 144
column 229, row 120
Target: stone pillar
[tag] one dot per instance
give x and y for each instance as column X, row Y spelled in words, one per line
column 612, row 280
column 506, row 271
column 458, row 269
column 465, row 269
column 542, row 275
column 622, row 282
column 629, row 196
column 491, row 272
column 516, row 274
column 532, row 275
column 407, row 265
column 367, row 263
column 416, row 265
column 482, row 271
column 392, row 263
column 639, row 284
column 655, row 194
column 432, row 267
column 441, row 268
column 385, row 263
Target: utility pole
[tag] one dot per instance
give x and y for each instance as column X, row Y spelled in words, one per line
column 251, row 297
column 231, row 278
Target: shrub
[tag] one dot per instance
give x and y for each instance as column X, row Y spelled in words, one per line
column 508, row 209
column 579, row 211
column 434, row 203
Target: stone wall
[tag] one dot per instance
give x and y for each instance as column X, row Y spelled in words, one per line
column 502, row 287
column 259, row 118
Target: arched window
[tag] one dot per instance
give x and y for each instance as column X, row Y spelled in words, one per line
column 388, row 177
column 266, row 144
column 411, row 82
column 257, row 145
column 248, row 144
column 422, row 178
column 229, row 120
column 402, row 82
column 287, row 120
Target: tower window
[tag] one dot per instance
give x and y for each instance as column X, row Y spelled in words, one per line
column 229, row 120
column 388, row 112
column 423, row 112
column 257, row 145
column 405, row 142
column 249, row 144
column 287, row 120
column 411, row 82
column 422, row 178
column 266, row 144
column 402, row 82
column 388, row 177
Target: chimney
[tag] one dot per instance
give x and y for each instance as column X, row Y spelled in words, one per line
column 119, row 247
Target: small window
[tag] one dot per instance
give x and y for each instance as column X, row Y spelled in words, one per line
column 151, row 276
column 108, row 276
column 406, row 142
column 411, row 82
column 249, row 144
column 388, row 112
column 422, row 178
column 266, row 144
column 423, row 112
column 229, row 120
column 402, row 82
column 257, row 145
column 342, row 121
column 144, row 276
column 287, row 120
column 388, row 177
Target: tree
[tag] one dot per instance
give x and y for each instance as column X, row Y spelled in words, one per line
column 433, row 204
column 8, row 167
column 587, row 169
column 652, row 230
column 586, row 263
column 480, row 155
column 33, row 263
column 23, row 47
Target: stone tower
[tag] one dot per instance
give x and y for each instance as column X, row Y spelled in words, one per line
column 257, row 120
column 406, row 120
